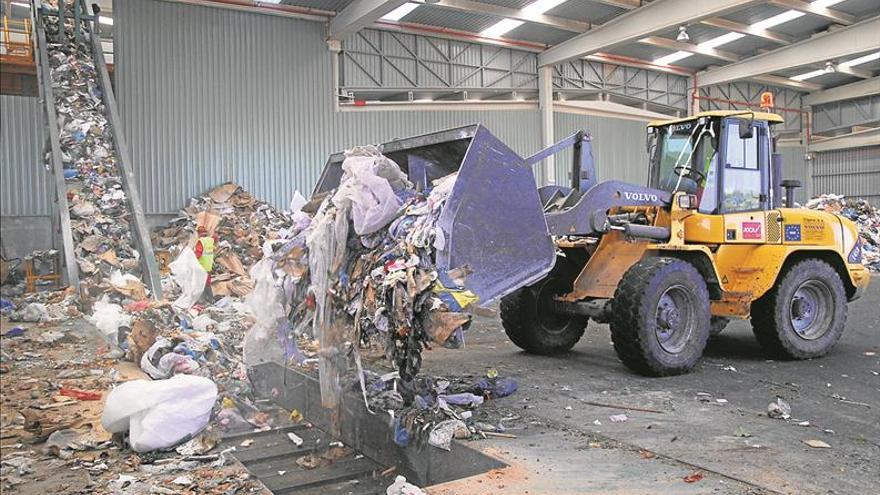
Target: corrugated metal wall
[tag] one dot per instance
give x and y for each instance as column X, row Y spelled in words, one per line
column 618, row 147
column 794, row 166
column 854, row 173
column 218, row 95
column 24, row 187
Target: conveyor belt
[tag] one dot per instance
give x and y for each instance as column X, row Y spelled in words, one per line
column 82, row 24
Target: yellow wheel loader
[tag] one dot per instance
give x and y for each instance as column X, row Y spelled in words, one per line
column 712, row 236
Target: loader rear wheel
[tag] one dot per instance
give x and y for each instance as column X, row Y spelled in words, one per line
column 530, row 322
column 660, row 321
column 804, row 315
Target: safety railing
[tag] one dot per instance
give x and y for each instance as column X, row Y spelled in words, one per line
column 15, row 42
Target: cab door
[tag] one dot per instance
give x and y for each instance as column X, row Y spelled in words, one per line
column 745, row 183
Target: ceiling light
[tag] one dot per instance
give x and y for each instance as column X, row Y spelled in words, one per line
column 105, row 20
column 861, row 60
column 668, row 59
column 500, row 28
column 541, row 6
column 721, row 40
column 829, row 67
column 20, row 4
column 824, row 3
column 778, row 19
column 400, row 12
column 682, row 34
column 808, row 75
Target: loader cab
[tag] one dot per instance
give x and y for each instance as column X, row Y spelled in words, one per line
column 723, row 158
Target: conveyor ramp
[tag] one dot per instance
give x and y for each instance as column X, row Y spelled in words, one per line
column 68, row 29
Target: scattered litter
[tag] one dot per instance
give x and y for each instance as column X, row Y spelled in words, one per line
column 779, row 409
column 741, row 432
column 401, row 487
column 442, row 434
column 817, row 444
column 618, row 418
column 295, row 439
column 693, row 477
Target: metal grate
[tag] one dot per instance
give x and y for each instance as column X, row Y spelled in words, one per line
column 774, row 231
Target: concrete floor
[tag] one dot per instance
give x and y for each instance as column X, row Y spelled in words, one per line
column 560, row 449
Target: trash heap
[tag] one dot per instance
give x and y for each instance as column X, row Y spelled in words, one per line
column 863, row 214
column 358, row 263
column 240, row 223
column 99, row 211
column 443, row 407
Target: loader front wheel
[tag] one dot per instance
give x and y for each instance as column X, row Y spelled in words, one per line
column 660, row 321
column 804, row 315
column 529, row 320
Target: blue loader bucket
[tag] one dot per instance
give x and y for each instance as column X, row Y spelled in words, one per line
column 496, row 237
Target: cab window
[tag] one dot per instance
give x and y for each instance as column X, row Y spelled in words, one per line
column 742, row 176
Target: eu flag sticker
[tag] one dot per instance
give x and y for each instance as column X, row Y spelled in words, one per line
column 793, row 233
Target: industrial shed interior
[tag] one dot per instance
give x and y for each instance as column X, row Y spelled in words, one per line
column 440, row 246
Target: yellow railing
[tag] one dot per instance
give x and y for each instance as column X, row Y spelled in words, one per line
column 16, row 39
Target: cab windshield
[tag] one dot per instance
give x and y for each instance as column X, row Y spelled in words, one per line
column 683, row 157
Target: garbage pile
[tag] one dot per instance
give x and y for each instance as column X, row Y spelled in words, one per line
column 442, row 407
column 863, row 214
column 240, row 223
column 99, row 212
column 358, row 263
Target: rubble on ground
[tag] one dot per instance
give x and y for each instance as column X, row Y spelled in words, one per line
column 863, row 214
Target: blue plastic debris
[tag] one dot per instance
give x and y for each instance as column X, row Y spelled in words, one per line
column 14, row 332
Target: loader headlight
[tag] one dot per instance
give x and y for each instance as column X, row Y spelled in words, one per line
column 855, row 255
column 687, row 202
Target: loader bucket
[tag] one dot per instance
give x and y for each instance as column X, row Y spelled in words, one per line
column 492, row 224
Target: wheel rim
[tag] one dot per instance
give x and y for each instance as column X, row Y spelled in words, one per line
column 551, row 321
column 808, row 310
column 675, row 319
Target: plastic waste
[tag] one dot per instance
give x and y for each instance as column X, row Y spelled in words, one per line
column 265, row 303
column 402, row 487
column 160, row 414
column 190, row 276
column 443, row 433
column 109, row 317
column 371, row 197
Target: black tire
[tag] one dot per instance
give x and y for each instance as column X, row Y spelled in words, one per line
column 530, row 322
column 651, row 336
column 782, row 319
column 717, row 325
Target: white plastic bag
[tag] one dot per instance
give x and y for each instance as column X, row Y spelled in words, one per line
column 160, row 414
column 190, row 276
column 265, row 303
column 108, row 317
column 372, row 199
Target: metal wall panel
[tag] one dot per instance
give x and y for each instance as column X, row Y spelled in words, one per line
column 24, row 187
column 618, row 147
column 841, row 115
column 795, row 166
column 201, row 106
column 854, row 173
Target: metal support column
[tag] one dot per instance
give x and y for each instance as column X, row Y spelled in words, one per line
column 545, row 102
